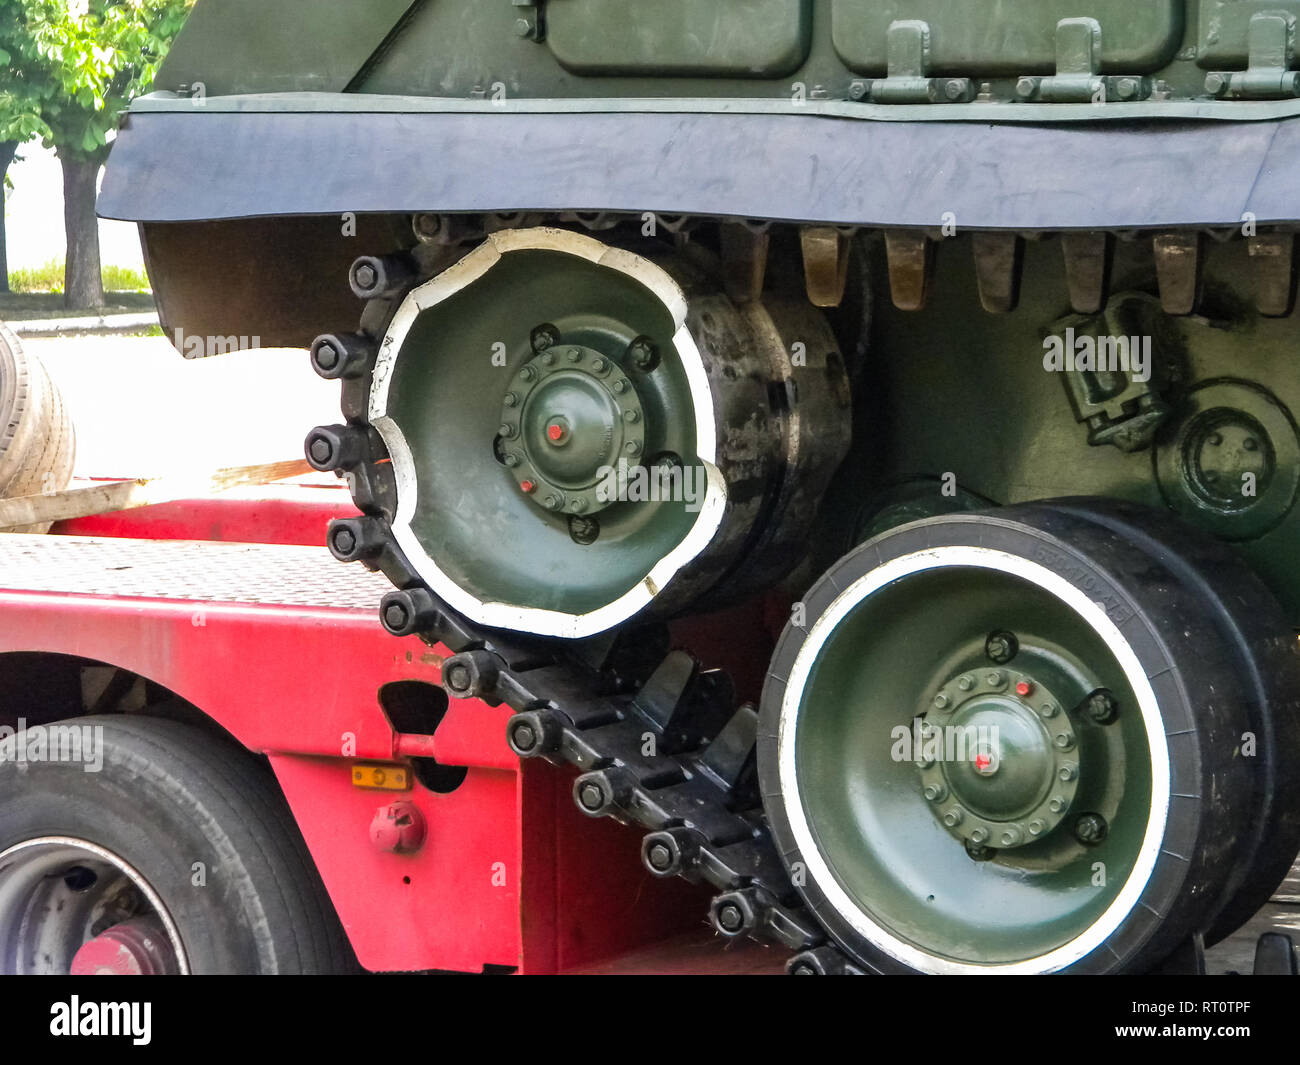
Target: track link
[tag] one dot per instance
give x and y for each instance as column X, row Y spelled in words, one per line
column 662, row 750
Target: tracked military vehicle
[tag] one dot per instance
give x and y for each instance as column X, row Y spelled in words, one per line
column 965, row 334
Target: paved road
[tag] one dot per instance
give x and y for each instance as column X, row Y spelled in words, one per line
column 140, row 409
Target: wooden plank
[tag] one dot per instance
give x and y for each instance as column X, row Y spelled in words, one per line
column 88, row 500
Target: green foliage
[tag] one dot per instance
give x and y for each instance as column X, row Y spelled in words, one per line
column 74, row 65
column 49, row 278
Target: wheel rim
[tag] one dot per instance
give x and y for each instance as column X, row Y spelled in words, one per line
column 906, row 873
column 68, row 905
column 594, row 368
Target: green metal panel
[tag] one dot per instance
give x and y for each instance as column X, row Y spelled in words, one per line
column 1008, row 37
column 1225, row 26
column 235, row 46
column 710, row 38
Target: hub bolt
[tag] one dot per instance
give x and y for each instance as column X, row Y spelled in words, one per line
column 953, row 817
column 583, row 531
column 936, row 792
column 979, row 853
column 1067, row 773
column 554, row 502
column 1091, row 829
column 574, row 355
column 1048, row 709
column 599, row 365
column 507, row 430
column 966, row 683
column 511, row 400
column 1057, row 804
column 543, row 337
column 1101, row 706
column 643, row 355
column 1001, row 647
column 1024, row 688
column 1036, row 827
column 1011, row 836
column 941, row 701
column 1064, row 741
column 512, row 460
column 995, row 679
column 978, row 836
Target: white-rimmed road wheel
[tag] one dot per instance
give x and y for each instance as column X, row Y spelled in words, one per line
column 554, row 435
column 157, row 849
column 1013, row 742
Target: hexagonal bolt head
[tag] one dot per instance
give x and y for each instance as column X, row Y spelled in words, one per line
column 342, row 356
column 407, row 611
column 534, row 733
column 600, row 791
column 354, row 539
column 1101, row 707
column 669, row 852
column 1001, row 647
column 1091, row 829
column 977, row 852
column 472, row 674
column 736, row 912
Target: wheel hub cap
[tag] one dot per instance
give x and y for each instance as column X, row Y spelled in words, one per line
column 569, row 417
column 997, row 761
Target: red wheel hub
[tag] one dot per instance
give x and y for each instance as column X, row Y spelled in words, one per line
column 138, row 947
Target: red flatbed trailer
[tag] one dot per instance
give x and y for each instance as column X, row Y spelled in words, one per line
column 279, row 645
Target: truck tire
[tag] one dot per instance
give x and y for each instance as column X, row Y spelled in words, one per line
column 177, row 855
column 37, row 441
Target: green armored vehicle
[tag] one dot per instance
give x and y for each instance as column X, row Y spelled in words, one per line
column 963, row 333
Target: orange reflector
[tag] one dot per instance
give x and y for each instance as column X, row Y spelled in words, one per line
column 382, row 777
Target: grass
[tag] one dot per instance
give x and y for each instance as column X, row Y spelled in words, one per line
column 28, row 306
column 37, row 292
column 48, row 278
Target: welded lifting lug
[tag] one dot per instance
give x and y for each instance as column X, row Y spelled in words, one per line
column 1268, row 74
column 1078, row 77
column 909, row 81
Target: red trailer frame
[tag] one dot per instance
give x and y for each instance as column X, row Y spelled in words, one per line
column 280, row 646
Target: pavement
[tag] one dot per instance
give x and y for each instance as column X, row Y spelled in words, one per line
column 93, row 324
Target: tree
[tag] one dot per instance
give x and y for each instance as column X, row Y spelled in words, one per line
column 84, row 61
column 19, row 121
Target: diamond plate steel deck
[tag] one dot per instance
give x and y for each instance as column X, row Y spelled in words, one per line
column 196, row 571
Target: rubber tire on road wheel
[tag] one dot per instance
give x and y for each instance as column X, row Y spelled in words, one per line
column 1171, row 630
column 37, row 441
column 176, row 802
column 1256, row 630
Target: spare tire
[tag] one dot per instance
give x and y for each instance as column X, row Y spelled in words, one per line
column 37, row 442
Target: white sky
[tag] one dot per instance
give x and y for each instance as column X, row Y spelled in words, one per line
column 34, row 216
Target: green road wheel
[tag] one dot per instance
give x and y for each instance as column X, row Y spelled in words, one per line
column 575, row 434
column 991, row 746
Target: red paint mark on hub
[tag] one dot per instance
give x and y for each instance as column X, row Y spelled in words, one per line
column 528, row 487
column 1024, row 687
column 982, row 762
column 555, row 433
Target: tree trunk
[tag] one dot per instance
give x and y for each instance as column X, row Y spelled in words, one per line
column 7, row 149
column 83, row 284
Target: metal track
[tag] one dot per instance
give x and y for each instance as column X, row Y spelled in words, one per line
column 667, row 754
